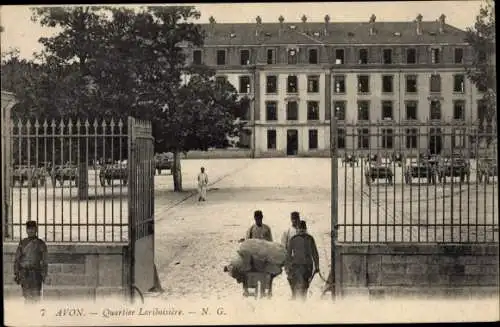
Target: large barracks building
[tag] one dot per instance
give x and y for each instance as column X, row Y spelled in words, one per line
column 394, row 74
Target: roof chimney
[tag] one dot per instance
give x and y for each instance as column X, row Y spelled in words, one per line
column 372, row 24
column 304, row 21
column 211, row 20
column 258, row 28
column 281, row 20
column 327, row 21
column 442, row 21
column 419, row 24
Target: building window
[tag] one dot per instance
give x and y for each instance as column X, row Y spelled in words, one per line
column 271, row 84
column 221, row 57
column 313, row 139
column 271, row 139
column 459, row 83
column 339, row 107
column 458, row 138
column 387, row 138
column 292, row 110
column 339, row 57
column 411, row 138
column 271, row 111
column 435, row 83
column 459, row 110
column 245, row 84
column 482, row 110
column 220, row 80
column 292, row 56
column 481, row 57
column 387, row 56
column 292, row 84
column 435, row 56
column 271, row 56
column 244, row 110
column 363, row 56
column 312, row 110
column 339, row 84
column 341, row 138
column 411, row 110
column 459, row 55
column 313, row 56
column 363, row 84
column 411, row 83
column 363, row 138
column 435, row 110
column 387, row 84
column 411, row 56
column 245, row 57
column 387, row 110
column 197, row 58
column 364, row 110
column 313, row 84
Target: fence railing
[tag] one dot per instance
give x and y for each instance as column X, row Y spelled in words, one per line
column 425, row 183
column 71, row 178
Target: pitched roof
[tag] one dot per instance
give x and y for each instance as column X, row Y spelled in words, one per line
column 338, row 33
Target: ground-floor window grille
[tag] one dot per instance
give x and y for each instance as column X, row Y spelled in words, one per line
column 363, row 138
column 411, row 138
column 313, row 139
column 271, row 139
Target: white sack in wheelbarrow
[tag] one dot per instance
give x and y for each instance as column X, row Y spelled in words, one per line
column 263, row 250
column 240, row 263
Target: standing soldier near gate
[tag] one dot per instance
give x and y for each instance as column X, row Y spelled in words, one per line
column 30, row 265
column 202, row 185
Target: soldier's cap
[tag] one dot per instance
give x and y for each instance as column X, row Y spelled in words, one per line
column 258, row 214
column 295, row 215
column 31, row 224
column 302, row 224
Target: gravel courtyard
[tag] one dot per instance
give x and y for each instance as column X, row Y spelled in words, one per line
column 195, row 240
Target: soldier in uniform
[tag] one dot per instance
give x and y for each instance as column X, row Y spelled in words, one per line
column 30, row 266
column 302, row 261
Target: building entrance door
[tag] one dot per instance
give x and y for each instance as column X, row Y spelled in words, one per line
column 292, row 142
column 435, row 141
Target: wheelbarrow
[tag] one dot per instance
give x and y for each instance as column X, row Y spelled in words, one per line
column 258, row 284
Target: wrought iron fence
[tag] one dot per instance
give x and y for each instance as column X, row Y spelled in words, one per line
column 416, row 182
column 71, row 178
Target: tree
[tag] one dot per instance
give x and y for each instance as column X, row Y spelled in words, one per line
column 72, row 51
column 482, row 72
column 149, row 61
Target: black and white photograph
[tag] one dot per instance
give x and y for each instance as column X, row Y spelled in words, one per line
column 249, row 163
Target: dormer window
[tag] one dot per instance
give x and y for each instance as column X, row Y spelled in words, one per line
column 245, row 57
column 316, row 34
column 292, row 56
column 292, row 27
column 397, row 33
column 232, row 35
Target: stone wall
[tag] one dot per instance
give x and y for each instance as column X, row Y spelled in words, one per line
column 417, row 269
column 83, row 271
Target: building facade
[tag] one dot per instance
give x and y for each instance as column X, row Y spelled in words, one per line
column 387, row 82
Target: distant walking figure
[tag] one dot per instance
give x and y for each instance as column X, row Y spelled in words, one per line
column 202, row 185
column 30, row 265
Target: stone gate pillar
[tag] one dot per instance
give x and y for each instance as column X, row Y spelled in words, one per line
column 8, row 101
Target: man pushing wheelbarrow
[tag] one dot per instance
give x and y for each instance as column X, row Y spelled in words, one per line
column 258, row 260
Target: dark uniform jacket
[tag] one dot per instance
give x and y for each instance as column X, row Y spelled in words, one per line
column 302, row 250
column 31, row 255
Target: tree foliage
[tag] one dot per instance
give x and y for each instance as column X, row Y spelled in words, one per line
column 110, row 61
column 483, row 71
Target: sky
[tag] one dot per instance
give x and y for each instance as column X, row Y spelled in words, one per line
column 20, row 32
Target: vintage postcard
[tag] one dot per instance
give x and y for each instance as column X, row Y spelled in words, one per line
column 250, row 163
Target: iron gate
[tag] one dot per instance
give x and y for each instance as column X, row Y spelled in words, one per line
column 412, row 182
column 141, row 206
